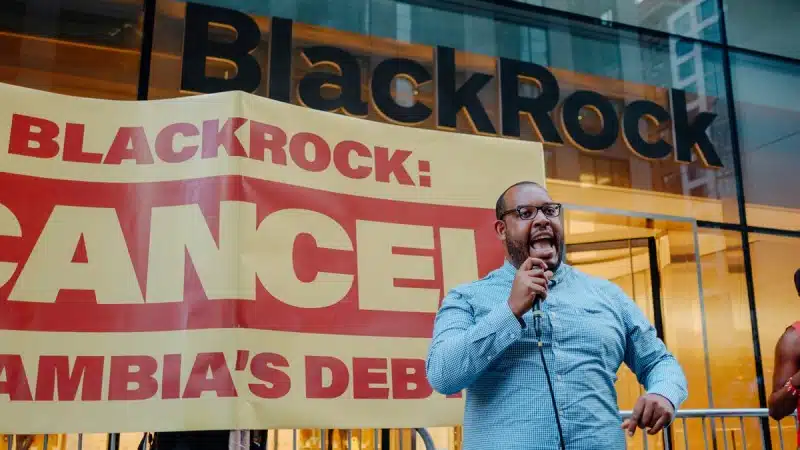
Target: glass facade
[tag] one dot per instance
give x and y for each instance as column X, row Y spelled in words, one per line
column 89, row 49
column 767, row 94
column 768, row 29
column 671, row 131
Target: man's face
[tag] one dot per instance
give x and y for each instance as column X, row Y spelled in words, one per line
column 535, row 234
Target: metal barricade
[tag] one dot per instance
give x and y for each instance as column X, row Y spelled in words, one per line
column 44, row 442
column 707, row 429
column 724, row 429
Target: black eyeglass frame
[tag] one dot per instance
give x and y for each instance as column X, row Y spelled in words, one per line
column 535, row 209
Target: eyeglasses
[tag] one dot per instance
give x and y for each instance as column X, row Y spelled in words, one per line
column 528, row 212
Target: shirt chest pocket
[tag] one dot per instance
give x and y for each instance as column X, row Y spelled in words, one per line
column 588, row 330
column 521, row 355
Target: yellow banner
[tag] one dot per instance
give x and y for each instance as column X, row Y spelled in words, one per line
column 230, row 262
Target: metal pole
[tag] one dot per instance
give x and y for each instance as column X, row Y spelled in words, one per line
column 427, row 439
column 685, row 435
column 738, row 173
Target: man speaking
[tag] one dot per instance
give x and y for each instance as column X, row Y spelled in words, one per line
column 535, row 334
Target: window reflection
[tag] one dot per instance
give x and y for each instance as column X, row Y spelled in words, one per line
column 770, row 28
column 677, row 16
column 74, row 47
column 767, row 96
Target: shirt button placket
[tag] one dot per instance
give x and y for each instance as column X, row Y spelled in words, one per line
column 554, row 330
column 554, row 325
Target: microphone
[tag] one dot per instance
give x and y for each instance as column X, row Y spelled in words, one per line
column 538, row 313
column 537, row 318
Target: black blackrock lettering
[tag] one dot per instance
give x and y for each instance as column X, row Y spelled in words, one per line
column 347, row 81
column 512, row 73
column 280, row 60
column 451, row 99
column 690, row 136
column 634, row 113
column 381, row 88
column 571, row 113
column 197, row 47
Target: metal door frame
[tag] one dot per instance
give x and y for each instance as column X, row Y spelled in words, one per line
column 695, row 234
column 655, row 272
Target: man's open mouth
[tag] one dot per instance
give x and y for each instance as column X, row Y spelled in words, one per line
column 543, row 246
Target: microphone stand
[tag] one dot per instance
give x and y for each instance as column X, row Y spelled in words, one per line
column 537, row 326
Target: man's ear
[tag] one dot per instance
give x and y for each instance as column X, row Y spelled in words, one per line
column 500, row 229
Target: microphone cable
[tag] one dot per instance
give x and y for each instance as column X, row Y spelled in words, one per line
column 537, row 326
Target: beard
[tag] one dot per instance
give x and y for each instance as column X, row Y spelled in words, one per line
column 519, row 251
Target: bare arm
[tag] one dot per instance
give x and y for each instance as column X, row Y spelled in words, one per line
column 787, row 353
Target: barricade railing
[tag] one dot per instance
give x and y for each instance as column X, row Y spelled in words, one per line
column 322, row 439
column 724, row 429
column 708, row 429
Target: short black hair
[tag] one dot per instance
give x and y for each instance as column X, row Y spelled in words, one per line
column 797, row 281
column 500, row 206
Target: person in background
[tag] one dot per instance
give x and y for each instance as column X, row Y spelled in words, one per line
column 786, row 376
column 485, row 340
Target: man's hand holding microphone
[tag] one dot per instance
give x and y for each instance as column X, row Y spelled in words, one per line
column 529, row 282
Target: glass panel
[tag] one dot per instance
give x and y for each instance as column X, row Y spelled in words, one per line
column 594, row 51
column 691, row 18
column 614, row 247
column 130, row 441
column 774, row 264
column 359, row 439
column 767, row 94
column 625, row 263
column 727, row 314
column 89, row 441
column 771, row 27
column 75, row 47
column 622, row 68
column 684, row 17
column 34, row 441
column 617, row 248
column 730, row 340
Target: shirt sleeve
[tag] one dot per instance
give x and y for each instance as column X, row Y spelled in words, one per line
column 462, row 348
column 647, row 356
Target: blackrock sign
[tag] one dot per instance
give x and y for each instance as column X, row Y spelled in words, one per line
column 198, row 47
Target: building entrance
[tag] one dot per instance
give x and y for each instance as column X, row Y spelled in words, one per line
column 658, row 263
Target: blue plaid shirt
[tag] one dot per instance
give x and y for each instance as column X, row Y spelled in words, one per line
column 590, row 327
